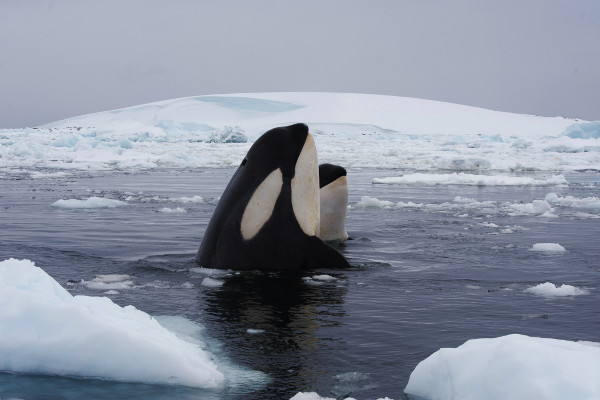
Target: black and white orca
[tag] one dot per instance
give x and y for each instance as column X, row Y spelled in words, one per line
column 268, row 215
column 334, row 202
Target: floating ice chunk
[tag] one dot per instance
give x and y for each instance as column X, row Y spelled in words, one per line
column 314, row 396
column 324, row 278
column 537, row 207
column 409, row 204
column 92, row 202
column 551, row 290
column 254, row 331
column 193, row 199
column 108, row 282
column 373, row 202
column 513, row 367
column 488, row 225
column 574, row 202
column 46, row 330
column 548, row 247
column 210, row 271
column 168, row 210
column 470, row 180
column 212, row 282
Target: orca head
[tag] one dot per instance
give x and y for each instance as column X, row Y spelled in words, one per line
column 282, row 156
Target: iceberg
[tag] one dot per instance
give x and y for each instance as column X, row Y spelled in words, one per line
column 46, row 330
column 515, row 367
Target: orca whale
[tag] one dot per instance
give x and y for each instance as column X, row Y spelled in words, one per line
column 268, row 215
column 334, row 202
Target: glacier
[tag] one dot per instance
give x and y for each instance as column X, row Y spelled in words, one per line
column 354, row 130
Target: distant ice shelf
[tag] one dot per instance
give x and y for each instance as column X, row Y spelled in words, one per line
column 353, row 130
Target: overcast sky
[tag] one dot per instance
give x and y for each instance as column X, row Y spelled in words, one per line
column 65, row 58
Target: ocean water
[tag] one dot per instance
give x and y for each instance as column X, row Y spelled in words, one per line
column 447, row 264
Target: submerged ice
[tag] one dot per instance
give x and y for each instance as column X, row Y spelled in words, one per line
column 46, row 330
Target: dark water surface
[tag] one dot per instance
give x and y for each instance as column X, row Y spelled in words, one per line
column 421, row 278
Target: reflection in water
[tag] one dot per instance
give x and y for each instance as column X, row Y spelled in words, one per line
column 289, row 313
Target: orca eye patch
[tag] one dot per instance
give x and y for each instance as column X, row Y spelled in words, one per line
column 261, row 205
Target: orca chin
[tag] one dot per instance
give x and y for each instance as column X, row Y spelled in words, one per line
column 269, row 216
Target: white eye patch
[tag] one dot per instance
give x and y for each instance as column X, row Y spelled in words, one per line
column 305, row 188
column 261, row 205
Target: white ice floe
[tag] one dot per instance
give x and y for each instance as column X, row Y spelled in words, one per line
column 92, row 202
column 470, row 180
column 373, row 202
column 109, row 282
column 551, row 290
column 537, row 207
column 168, row 210
column 315, row 396
column 46, row 330
column 323, row 278
column 573, row 202
column 254, row 331
column 212, row 282
column 193, row 199
column 548, row 247
column 353, row 130
column 515, row 367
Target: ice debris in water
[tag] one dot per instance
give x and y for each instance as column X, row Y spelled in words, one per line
column 373, row 202
column 168, row 210
column 551, row 290
column 315, row 396
column 515, row 367
column 92, row 202
column 548, row 247
column 46, row 330
column 470, row 180
column 109, row 282
column 212, row 282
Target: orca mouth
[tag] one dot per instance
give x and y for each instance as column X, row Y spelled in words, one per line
column 305, row 188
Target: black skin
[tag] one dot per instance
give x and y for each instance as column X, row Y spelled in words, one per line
column 329, row 173
column 280, row 244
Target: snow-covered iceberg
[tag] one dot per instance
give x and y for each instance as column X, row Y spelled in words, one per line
column 46, row 330
column 353, row 130
column 515, row 367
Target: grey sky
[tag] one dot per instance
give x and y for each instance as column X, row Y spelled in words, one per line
column 65, row 58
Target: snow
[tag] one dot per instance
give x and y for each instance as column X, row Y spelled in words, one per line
column 509, row 367
column 353, row 130
column 548, row 247
column 46, row 330
column 92, row 202
column 551, row 290
column 470, row 180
